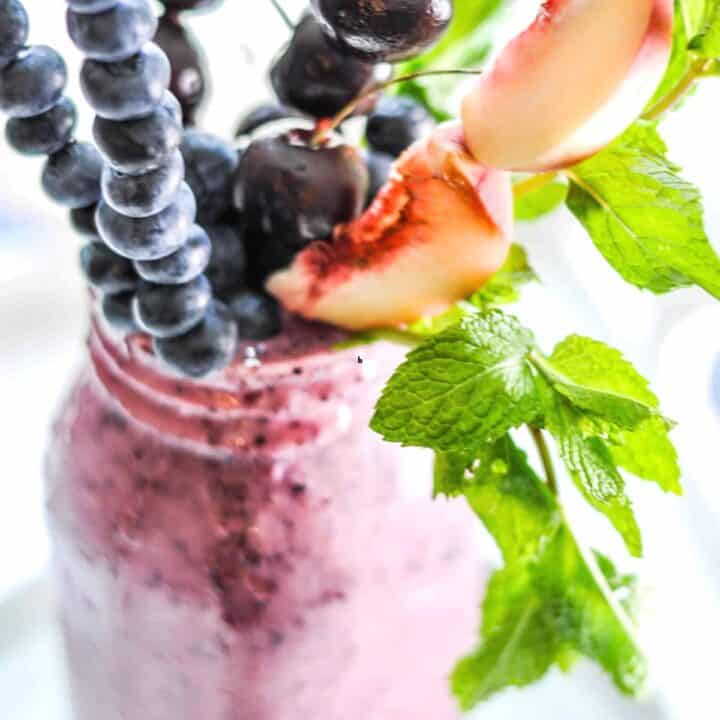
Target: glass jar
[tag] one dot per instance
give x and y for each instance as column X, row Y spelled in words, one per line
column 245, row 548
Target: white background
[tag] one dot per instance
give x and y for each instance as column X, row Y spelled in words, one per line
column 675, row 340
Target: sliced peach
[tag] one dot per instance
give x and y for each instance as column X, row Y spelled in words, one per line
column 439, row 228
column 568, row 85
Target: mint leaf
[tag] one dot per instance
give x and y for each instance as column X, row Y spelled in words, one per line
column 645, row 220
column 504, row 286
column 707, row 41
column 509, row 498
column 462, row 388
column 692, row 14
column 596, row 378
column 437, row 323
column 624, row 586
column 541, row 201
column 648, row 453
column 519, row 641
column 538, row 614
column 592, row 468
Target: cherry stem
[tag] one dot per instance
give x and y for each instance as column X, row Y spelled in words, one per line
column 284, row 16
column 327, row 126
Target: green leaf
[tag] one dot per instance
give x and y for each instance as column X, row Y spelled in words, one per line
column 645, row 220
column 463, row 388
column 692, row 14
column 707, row 41
column 590, row 464
column 596, row 378
column 466, row 44
column 504, row 286
column 541, row 201
column 519, row 642
column 509, row 498
column 648, row 453
column 540, row 613
column 624, row 586
column 437, row 323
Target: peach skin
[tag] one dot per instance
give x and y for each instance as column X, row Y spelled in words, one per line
column 569, row 84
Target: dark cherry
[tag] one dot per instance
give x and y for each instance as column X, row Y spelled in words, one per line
column 262, row 114
column 188, row 82
column 316, row 77
column 291, row 194
column 390, row 30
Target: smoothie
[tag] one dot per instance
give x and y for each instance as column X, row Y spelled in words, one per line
column 245, row 548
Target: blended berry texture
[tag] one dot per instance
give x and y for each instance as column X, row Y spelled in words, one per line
column 246, row 548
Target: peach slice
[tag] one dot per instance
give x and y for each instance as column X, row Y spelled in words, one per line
column 439, row 228
column 568, row 85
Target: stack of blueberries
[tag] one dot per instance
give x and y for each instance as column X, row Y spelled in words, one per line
column 182, row 228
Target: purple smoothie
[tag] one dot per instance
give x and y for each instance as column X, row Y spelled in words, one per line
column 245, row 548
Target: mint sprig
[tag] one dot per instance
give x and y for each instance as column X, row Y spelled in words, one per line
column 551, row 602
column 470, row 384
column 462, row 392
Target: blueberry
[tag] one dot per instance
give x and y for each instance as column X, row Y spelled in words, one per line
column 83, row 220
column 396, row 123
column 378, row 165
column 14, row 27
column 228, row 261
column 129, row 88
column 208, row 347
column 314, row 76
column 118, row 311
column 171, row 310
column 261, row 115
column 257, row 315
column 114, row 34
column 105, row 270
column 91, row 6
column 390, row 30
column 187, row 82
column 71, row 176
column 183, row 265
column 32, row 83
column 210, row 164
column 43, row 134
column 152, row 237
column 146, row 194
column 137, row 146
